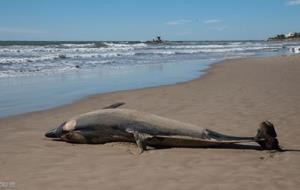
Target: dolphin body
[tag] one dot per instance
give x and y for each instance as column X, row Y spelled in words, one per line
column 145, row 129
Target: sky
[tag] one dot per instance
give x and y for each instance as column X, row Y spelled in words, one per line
column 107, row 20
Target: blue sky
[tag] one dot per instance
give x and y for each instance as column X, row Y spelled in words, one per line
column 143, row 20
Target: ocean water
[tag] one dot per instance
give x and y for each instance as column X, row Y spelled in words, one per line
column 41, row 75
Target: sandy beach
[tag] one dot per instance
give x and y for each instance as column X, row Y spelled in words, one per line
column 233, row 98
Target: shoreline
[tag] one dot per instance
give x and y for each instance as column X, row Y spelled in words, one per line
column 201, row 73
column 71, row 87
column 232, row 97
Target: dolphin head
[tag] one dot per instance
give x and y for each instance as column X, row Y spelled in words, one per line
column 64, row 128
column 56, row 132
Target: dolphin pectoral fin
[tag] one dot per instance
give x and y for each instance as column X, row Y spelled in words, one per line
column 140, row 140
column 115, row 105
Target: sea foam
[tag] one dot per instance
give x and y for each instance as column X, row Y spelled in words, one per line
column 51, row 57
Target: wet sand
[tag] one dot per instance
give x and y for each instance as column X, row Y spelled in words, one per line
column 233, row 98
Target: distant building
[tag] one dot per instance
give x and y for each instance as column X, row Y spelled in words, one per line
column 290, row 34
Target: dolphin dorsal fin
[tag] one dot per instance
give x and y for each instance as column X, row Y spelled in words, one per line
column 115, row 105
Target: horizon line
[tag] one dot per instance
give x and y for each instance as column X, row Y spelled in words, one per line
column 124, row 40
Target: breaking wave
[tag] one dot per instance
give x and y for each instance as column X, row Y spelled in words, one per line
column 79, row 45
column 51, row 57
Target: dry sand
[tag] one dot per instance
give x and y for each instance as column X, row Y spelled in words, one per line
column 233, row 97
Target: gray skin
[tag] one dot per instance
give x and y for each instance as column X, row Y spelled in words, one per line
column 145, row 129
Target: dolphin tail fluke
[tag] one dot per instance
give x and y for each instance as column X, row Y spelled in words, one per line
column 266, row 136
column 115, row 105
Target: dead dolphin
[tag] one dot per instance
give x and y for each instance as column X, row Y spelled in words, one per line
column 145, row 129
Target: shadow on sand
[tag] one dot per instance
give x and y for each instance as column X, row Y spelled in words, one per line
column 224, row 146
column 239, row 147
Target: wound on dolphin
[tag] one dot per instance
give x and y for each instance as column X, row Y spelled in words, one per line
column 113, row 124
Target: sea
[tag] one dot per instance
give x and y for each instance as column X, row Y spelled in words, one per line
column 38, row 75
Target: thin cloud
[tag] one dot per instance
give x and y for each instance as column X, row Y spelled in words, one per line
column 293, row 2
column 178, row 22
column 211, row 21
column 182, row 33
column 21, row 30
column 221, row 28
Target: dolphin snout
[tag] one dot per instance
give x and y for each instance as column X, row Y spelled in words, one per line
column 56, row 132
column 51, row 133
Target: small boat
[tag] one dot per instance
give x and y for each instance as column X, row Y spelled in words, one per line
column 158, row 40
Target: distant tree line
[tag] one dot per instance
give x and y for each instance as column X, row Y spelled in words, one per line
column 283, row 36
